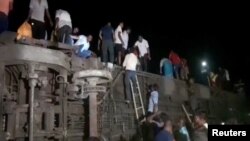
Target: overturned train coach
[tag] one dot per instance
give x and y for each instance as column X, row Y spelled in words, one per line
column 48, row 94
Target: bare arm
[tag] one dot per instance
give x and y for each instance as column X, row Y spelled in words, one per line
column 149, row 56
column 148, row 51
column 29, row 15
column 30, row 10
column 161, row 64
column 99, row 44
column 147, row 46
column 100, row 35
column 48, row 15
column 120, row 37
column 125, row 61
column 74, row 37
column 155, row 108
column 160, row 124
column 113, row 33
column 56, row 24
column 136, row 44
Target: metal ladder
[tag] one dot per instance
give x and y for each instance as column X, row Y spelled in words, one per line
column 136, row 94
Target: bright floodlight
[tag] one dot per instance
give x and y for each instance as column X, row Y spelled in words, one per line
column 204, row 63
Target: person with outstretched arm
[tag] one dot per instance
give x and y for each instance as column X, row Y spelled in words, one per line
column 166, row 134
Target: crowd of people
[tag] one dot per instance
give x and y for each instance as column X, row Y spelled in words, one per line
column 114, row 48
column 174, row 67
column 113, row 44
column 220, row 79
column 160, row 127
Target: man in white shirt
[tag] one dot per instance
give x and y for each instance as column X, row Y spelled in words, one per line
column 125, row 37
column 36, row 15
column 82, row 45
column 63, row 26
column 144, row 51
column 84, row 41
column 119, row 43
column 130, row 62
column 153, row 100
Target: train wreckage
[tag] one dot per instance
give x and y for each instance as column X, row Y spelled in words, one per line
column 48, row 94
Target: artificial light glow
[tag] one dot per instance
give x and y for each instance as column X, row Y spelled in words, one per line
column 204, row 63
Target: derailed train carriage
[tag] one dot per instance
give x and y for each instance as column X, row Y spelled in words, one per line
column 48, row 94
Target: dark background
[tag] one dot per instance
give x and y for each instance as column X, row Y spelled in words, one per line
column 197, row 31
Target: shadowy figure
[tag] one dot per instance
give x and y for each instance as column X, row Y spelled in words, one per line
column 182, row 133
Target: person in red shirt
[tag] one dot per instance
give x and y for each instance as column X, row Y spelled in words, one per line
column 176, row 61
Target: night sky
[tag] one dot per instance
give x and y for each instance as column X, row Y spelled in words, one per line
column 196, row 31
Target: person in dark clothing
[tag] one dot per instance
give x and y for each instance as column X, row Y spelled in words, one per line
column 166, row 133
column 3, row 22
column 5, row 7
column 157, row 120
column 106, row 37
column 152, row 126
column 38, row 9
column 148, row 130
